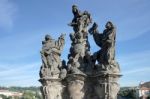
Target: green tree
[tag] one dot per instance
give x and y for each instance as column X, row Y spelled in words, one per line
column 3, row 96
column 28, row 95
column 128, row 93
column 38, row 95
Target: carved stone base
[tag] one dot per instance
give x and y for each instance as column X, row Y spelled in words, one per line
column 51, row 88
column 106, row 85
column 75, row 86
column 102, row 86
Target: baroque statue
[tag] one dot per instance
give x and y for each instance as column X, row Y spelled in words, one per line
column 106, row 41
column 50, row 54
column 79, row 38
column 85, row 75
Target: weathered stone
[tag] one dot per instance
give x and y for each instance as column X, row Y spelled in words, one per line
column 106, row 40
column 50, row 53
column 75, row 86
column 86, row 75
column 80, row 44
column 51, row 88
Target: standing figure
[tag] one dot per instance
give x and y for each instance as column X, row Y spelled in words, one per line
column 109, row 36
column 46, row 52
column 76, row 19
column 80, row 20
column 51, row 51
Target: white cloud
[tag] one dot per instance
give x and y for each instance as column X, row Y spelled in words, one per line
column 13, row 69
column 135, row 68
column 19, row 74
column 133, row 77
column 7, row 13
column 143, row 69
column 133, row 27
column 20, row 46
column 132, row 59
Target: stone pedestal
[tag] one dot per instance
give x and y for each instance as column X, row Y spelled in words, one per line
column 106, row 85
column 102, row 86
column 75, row 86
column 51, row 88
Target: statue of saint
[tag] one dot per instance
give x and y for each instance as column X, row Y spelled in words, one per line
column 51, row 51
column 106, row 41
column 80, row 20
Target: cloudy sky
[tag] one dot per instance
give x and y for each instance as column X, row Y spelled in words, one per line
column 23, row 24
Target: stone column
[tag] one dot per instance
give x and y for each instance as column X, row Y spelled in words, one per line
column 52, row 88
column 75, row 86
column 107, row 86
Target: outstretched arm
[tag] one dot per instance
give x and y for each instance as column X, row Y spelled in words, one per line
column 61, row 41
column 93, row 29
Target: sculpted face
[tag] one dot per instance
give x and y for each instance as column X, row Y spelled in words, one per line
column 109, row 25
column 74, row 8
column 48, row 37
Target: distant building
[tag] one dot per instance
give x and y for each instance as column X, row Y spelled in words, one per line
column 143, row 91
column 10, row 93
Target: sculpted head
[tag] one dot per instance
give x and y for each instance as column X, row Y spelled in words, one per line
column 85, row 12
column 48, row 37
column 62, row 36
column 109, row 25
column 74, row 8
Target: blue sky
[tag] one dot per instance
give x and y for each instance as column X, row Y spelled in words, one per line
column 23, row 24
